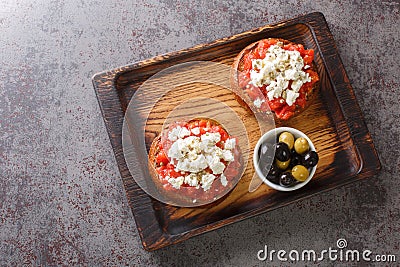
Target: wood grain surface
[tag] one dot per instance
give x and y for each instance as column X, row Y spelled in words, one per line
column 333, row 121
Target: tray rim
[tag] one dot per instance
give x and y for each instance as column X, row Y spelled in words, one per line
column 352, row 115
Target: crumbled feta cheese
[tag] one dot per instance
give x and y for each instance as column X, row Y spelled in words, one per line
column 188, row 144
column 230, row 143
column 210, row 159
column 196, row 130
column 224, row 181
column 173, row 134
column 175, row 182
column 194, row 154
column 258, row 102
column 184, row 132
column 210, row 139
column 291, row 96
column 227, row 155
column 178, row 132
column 217, row 167
column 174, row 151
column 276, row 70
column 296, row 85
column 207, row 180
column 191, row 179
column 196, row 165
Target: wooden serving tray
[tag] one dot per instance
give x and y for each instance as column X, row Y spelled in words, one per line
column 333, row 121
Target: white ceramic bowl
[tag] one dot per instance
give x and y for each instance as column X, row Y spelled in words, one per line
column 271, row 137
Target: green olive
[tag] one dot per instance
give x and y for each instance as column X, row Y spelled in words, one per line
column 283, row 165
column 287, row 138
column 300, row 173
column 301, row 145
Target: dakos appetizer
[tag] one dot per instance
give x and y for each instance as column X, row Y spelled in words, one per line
column 277, row 75
column 195, row 161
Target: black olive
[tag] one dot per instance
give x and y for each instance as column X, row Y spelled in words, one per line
column 296, row 159
column 266, row 150
column 266, row 157
column 274, row 174
column 282, row 152
column 310, row 159
column 286, row 179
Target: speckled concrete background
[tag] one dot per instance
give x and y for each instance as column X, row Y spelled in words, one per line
column 61, row 198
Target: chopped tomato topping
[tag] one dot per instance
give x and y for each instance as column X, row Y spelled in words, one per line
column 202, row 123
column 166, row 168
column 314, row 76
column 162, row 157
column 193, row 125
column 247, row 60
column 285, row 112
column 277, row 105
column 308, row 57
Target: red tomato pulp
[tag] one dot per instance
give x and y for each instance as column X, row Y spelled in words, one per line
column 278, row 105
column 166, row 169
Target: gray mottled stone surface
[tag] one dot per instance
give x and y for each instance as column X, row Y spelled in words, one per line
column 61, row 198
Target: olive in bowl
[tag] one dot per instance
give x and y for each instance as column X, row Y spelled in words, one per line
column 291, row 163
